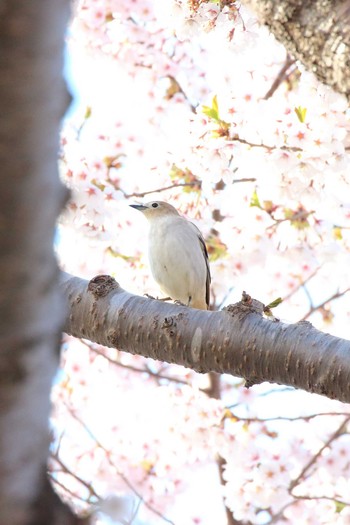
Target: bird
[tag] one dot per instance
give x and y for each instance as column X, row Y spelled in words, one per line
column 177, row 254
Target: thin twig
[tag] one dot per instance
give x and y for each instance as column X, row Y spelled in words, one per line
column 282, row 75
column 132, row 368
column 65, row 469
column 180, row 90
column 301, row 215
column 165, row 188
column 335, row 435
column 276, row 518
column 221, row 462
column 120, row 474
column 236, row 138
column 66, row 489
column 251, row 179
column 214, row 391
column 329, row 498
column 286, row 418
column 301, row 285
column 314, row 309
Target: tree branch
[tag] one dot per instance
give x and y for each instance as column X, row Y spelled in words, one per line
column 340, row 430
column 281, row 77
column 214, row 391
column 315, row 32
column 321, row 305
column 156, row 375
column 117, row 470
column 237, row 340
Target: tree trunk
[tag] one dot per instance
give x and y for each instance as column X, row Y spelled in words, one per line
column 316, row 32
column 237, row 340
column 32, row 99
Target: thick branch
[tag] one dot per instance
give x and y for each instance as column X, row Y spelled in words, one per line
column 316, row 32
column 237, row 340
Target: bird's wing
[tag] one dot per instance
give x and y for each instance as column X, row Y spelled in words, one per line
column 206, row 258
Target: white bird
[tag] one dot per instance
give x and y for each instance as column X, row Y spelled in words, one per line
column 177, row 254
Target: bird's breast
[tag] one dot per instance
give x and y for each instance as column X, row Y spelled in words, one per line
column 176, row 260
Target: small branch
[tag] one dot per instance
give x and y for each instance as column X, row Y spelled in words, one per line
column 142, row 194
column 177, row 88
column 314, row 309
column 229, row 515
column 281, row 77
column 329, row 498
column 285, row 418
column 340, row 430
column 66, row 489
column 236, row 138
column 277, row 517
column 214, row 391
column 117, row 470
column 301, row 284
column 66, row 470
column 312, row 32
column 251, row 179
column 146, row 370
column 300, row 215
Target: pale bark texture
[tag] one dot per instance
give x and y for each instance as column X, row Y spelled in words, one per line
column 237, row 340
column 32, row 102
column 316, row 32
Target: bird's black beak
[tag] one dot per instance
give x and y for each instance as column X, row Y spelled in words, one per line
column 139, row 207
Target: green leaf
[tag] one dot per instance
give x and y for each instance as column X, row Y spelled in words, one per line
column 215, row 104
column 216, row 248
column 98, row 184
column 210, row 112
column 254, row 200
column 213, row 111
column 288, row 213
column 339, row 506
column 298, row 218
column 190, row 182
column 114, row 162
column 300, row 113
column 274, row 303
column 337, row 233
column 88, row 112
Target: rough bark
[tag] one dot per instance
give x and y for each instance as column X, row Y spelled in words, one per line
column 32, row 100
column 237, row 340
column 316, row 32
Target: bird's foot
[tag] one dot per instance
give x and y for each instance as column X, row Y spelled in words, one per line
column 179, row 303
column 157, row 298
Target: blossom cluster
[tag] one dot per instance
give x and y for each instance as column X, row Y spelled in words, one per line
column 178, row 101
column 151, row 432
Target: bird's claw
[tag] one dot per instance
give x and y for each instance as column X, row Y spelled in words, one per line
column 179, row 303
column 157, row 298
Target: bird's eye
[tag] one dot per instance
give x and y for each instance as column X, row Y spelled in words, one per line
column 155, row 205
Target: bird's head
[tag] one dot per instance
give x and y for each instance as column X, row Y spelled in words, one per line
column 156, row 209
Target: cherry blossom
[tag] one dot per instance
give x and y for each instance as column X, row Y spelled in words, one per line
column 175, row 103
